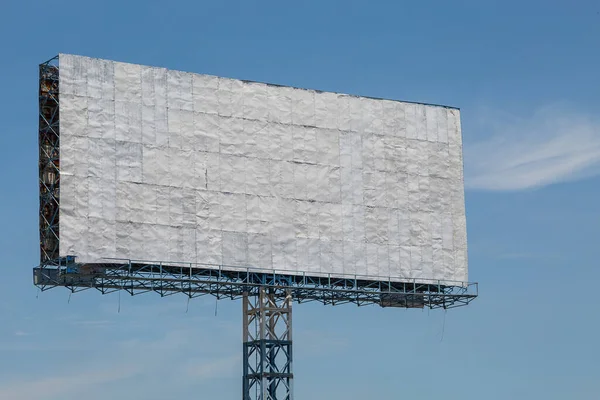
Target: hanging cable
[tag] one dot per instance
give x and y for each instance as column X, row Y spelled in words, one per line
column 443, row 325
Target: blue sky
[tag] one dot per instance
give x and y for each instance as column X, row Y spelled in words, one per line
column 525, row 75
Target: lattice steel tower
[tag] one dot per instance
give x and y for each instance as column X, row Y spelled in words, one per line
column 267, row 346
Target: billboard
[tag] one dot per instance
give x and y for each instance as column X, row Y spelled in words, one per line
column 167, row 166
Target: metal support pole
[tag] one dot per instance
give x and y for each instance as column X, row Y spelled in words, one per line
column 267, row 331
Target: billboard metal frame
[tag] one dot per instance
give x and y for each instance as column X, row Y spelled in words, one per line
column 223, row 282
column 267, row 347
column 267, row 294
column 49, row 161
column 267, row 303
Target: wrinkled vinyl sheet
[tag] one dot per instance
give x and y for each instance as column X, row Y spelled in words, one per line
column 162, row 165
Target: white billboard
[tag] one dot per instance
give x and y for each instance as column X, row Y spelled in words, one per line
column 169, row 166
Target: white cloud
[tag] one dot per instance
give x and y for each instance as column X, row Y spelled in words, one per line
column 94, row 323
column 52, row 387
column 555, row 144
column 123, row 362
column 322, row 342
column 211, row 368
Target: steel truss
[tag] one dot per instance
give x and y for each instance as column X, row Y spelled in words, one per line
column 267, row 295
column 267, row 303
column 267, row 346
column 226, row 282
column 48, row 142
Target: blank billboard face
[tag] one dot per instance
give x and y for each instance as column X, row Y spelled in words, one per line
column 167, row 166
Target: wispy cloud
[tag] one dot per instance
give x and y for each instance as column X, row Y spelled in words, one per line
column 126, row 358
column 94, row 323
column 555, row 144
column 57, row 386
column 323, row 341
column 526, row 256
column 124, row 363
column 211, row 368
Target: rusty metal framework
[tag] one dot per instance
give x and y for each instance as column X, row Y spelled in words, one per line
column 267, row 298
column 267, row 346
column 226, row 282
column 267, row 295
column 49, row 147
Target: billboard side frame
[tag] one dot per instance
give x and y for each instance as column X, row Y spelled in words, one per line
column 49, row 161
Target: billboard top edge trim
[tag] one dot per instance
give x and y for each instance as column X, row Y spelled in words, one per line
column 272, row 84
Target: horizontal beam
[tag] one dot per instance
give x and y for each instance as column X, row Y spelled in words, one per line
column 194, row 282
